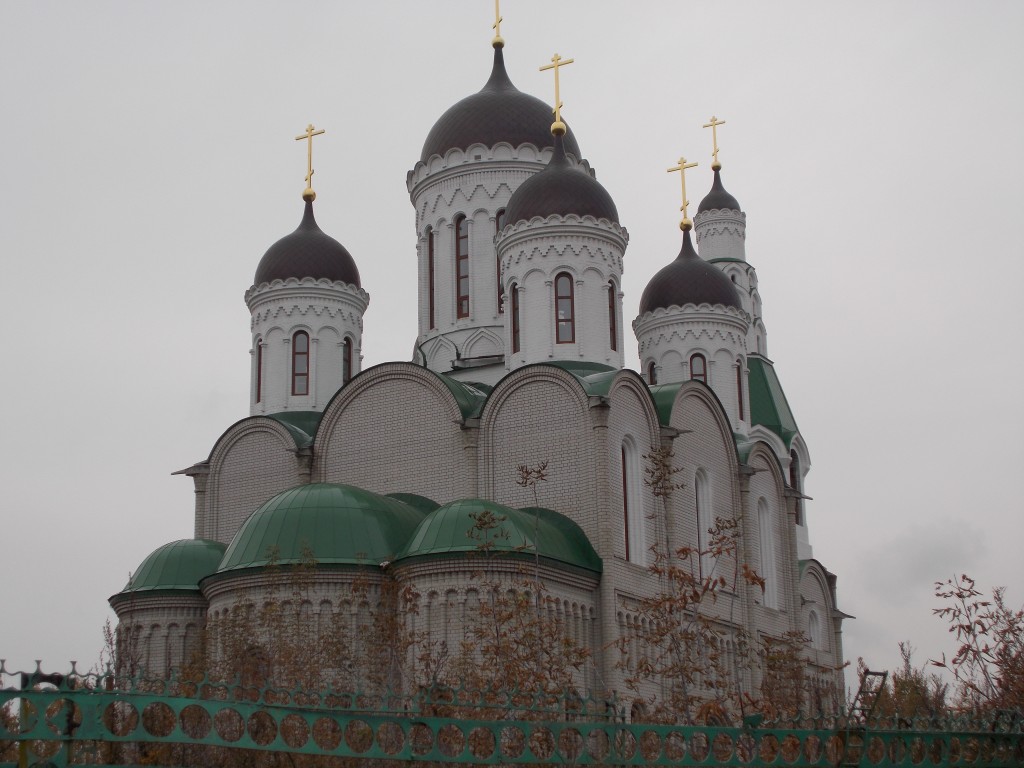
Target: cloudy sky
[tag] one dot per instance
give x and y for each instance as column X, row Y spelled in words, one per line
column 148, row 161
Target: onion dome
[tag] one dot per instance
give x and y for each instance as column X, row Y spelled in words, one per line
column 330, row 523
column 180, row 565
column 688, row 280
column 498, row 112
column 718, row 198
column 561, row 188
column 307, row 252
column 457, row 529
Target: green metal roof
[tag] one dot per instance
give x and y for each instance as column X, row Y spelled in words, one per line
column 340, row 524
column 664, row 398
column 470, row 397
column 452, row 530
column 301, row 424
column 180, row 565
column 422, row 503
column 768, row 405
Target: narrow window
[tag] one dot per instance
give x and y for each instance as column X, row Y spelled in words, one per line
column 625, row 502
column 794, row 483
column 814, row 629
column 702, row 497
column 462, row 266
column 259, row 370
column 739, row 386
column 300, row 363
column 430, row 278
column 565, row 322
column 613, row 326
column 499, row 222
column 699, row 368
column 768, row 569
column 652, row 376
column 632, row 505
column 346, row 361
column 515, row 317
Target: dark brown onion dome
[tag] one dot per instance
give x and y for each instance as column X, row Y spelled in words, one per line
column 307, row 252
column 718, row 199
column 562, row 189
column 688, row 280
column 497, row 112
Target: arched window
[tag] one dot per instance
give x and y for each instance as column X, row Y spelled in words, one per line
column 739, row 386
column 652, row 374
column 300, row 363
column 259, row 370
column 613, row 326
column 699, row 368
column 796, row 485
column 431, row 288
column 632, row 511
column 515, row 317
column 769, row 571
column 462, row 266
column 565, row 319
column 346, row 360
column 814, row 629
column 702, row 497
column 499, row 222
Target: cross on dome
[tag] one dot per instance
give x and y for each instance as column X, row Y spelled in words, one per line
column 308, row 193
column 686, row 223
column 557, row 127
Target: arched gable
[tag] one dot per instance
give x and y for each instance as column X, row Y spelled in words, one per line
column 482, row 343
column 824, row 648
column 766, row 527
column 395, row 427
column 704, row 446
column 635, row 519
column 252, row 461
column 540, row 413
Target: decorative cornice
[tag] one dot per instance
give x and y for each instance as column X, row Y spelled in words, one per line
column 691, row 313
column 306, row 287
column 456, row 161
column 562, row 226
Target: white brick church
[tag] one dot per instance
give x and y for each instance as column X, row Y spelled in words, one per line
column 518, row 360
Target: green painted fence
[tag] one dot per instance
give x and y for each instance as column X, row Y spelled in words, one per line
column 83, row 720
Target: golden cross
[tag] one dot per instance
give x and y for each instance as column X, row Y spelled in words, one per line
column 308, row 193
column 498, row 40
column 685, row 224
column 557, row 127
column 713, row 125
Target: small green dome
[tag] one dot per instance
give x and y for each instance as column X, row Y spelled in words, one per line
column 456, row 528
column 178, row 565
column 335, row 524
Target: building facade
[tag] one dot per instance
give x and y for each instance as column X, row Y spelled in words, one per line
column 382, row 476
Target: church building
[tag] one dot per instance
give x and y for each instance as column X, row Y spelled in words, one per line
column 382, row 474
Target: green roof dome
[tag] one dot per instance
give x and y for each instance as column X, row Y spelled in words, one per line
column 337, row 524
column 178, row 565
column 455, row 529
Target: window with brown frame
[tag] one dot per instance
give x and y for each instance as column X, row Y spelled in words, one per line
column 565, row 320
column 515, row 317
column 613, row 325
column 346, row 361
column 739, row 386
column 462, row 266
column 431, row 289
column 300, row 363
column 259, row 370
column 499, row 222
column 652, row 376
column 699, row 368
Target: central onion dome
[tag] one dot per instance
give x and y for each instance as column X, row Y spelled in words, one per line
column 498, row 112
column 307, row 252
column 688, row 280
column 332, row 523
column 718, row 199
column 562, row 189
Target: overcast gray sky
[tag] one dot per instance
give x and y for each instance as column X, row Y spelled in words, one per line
column 148, row 161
